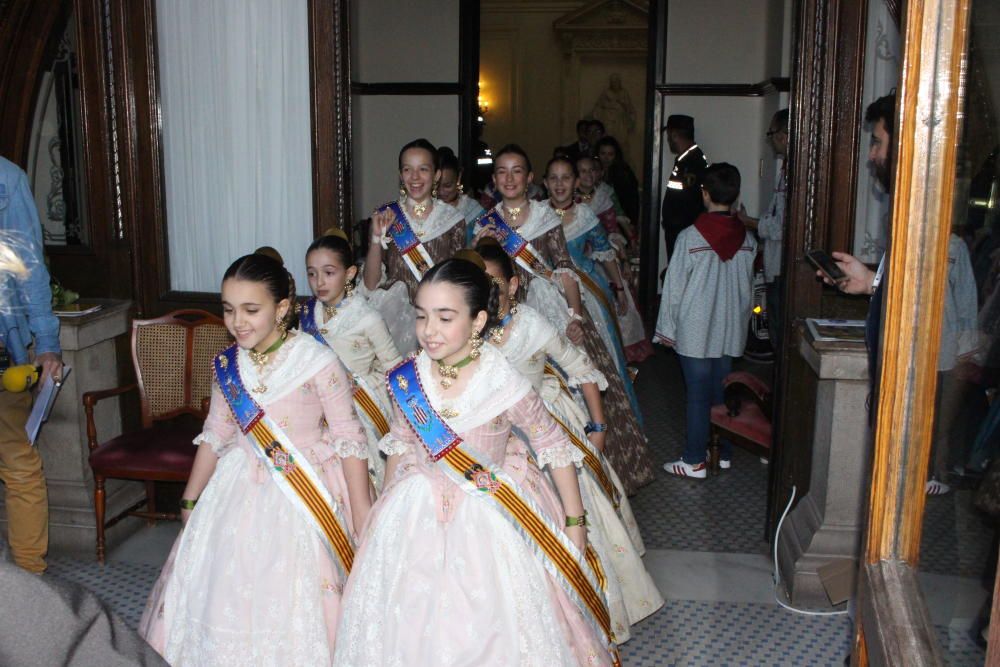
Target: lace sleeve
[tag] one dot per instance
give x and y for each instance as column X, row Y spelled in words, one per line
column 400, row 437
column 336, row 395
column 577, row 365
column 220, row 430
column 550, row 444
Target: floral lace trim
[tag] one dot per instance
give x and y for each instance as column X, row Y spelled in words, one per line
column 344, row 447
column 212, row 440
column 595, row 376
column 560, row 456
column 390, row 445
column 603, row 255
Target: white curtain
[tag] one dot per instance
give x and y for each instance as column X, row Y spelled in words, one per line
column 234, row 98
column 882, row 58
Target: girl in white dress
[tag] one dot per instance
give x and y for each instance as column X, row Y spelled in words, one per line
column 343, row 320
column 465, row 561
column 278, row 489
column 554, row 365
column 429, row 231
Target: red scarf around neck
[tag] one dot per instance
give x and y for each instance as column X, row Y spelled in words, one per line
column 724, row 232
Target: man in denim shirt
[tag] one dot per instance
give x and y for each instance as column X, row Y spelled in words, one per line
column 25, row 318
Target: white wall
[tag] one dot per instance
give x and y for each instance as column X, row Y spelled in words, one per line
column 393, row 42
column 729, row 42
column 381, row 125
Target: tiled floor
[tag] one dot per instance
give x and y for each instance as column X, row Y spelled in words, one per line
column 706, row 551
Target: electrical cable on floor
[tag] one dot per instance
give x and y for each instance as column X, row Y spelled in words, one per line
column 777, row 574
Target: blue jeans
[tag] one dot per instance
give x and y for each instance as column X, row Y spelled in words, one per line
column 703, row 381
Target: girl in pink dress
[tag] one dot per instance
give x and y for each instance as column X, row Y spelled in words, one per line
column 255, row 576
column 445, row 576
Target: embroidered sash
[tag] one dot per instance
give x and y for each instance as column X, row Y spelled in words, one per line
column 289, row 469
column 415, row 255
column 364, row 397
column 598, row 292
column 594, row 461
column 516, row 246
column 583, row 584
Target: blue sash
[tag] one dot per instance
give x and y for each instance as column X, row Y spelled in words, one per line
column 290, row 470
column 415, row 255
column 580, row 576
column 516, row 246
column 307, row 320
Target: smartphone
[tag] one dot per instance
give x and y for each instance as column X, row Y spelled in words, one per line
column 825, row 263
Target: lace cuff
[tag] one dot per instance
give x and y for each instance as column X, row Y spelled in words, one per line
column 344, row 447
column 390, row 445
column 595, row 376
column 603, row 255
column 560, row 456
column 212, row 440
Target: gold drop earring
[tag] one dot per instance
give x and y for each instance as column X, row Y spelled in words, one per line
column 477, row 343
column 434, row 190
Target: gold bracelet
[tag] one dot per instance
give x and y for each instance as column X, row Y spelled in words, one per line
column 576, row 520
column 188, row 504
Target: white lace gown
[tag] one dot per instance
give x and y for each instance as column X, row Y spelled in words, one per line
column 442, row 233
column 359, row 336
column 529, row 342
column 442, row 578
column 249, row 581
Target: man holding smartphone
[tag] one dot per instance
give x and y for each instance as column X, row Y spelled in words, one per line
column 858, row 278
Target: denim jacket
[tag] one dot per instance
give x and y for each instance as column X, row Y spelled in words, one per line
column 25, row 303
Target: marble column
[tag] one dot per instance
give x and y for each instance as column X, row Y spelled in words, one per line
column 827, row 523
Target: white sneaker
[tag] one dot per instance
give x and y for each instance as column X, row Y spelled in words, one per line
column 681, row 469
column 725, row 464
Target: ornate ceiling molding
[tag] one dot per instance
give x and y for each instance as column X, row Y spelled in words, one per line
column 605, row 26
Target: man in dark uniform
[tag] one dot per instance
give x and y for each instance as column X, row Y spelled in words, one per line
column 682, row 200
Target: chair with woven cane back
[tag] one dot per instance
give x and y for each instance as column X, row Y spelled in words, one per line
column 172, row 356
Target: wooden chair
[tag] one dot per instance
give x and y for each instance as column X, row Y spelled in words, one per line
column 744, row 419
column 172, row 357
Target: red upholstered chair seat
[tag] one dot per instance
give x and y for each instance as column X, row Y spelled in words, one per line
column 751, row 423
column 744, row 419
column 151, row 453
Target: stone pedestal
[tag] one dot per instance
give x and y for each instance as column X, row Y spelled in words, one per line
column 88, row 345
column 827, row 523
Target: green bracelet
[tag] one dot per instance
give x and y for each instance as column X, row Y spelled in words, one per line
column 188, row 504
column 576, row 520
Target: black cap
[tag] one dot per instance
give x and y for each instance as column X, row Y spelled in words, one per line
column 679, row 121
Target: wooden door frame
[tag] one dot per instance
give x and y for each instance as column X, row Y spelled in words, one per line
column 126, row 256
column 895, row 625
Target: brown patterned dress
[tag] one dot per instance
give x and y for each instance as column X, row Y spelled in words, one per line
column 625, row 445
column 440, row 249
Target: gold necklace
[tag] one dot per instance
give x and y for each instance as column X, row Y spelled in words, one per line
column 512, row 213
column 260, row 360
column 420, row 209
column 449, row 372
column 561, row 212
column 584, row 197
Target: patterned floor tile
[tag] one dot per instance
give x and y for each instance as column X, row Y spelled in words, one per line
column 726, row 633
column 723, row 513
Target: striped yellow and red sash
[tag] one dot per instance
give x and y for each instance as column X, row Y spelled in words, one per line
column 415, row 255
column 363, row 398
column 579, row 575
column 594, row 288
column 289, row 469
column 592, row 459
